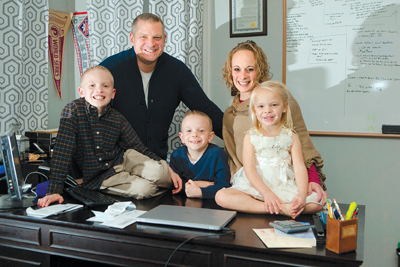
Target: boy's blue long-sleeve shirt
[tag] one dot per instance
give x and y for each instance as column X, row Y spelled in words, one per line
column 212, row 167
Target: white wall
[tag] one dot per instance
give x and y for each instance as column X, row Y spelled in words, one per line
column 367, row 171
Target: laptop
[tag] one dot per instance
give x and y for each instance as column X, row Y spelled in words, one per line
column 209, row 219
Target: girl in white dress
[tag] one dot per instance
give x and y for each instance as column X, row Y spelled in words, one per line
column 273, row 178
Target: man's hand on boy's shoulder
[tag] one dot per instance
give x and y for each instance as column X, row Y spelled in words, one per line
column 47, row 200
column 176, row 180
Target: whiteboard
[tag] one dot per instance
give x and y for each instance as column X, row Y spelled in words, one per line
column 343, row 63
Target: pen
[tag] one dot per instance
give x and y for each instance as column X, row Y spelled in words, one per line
column 339, row 211
column 351, row 210
column 67, row 210
column 355, row 214
column 329, row 210
column 337, row 216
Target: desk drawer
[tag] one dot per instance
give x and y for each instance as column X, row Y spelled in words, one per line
column 129, row 250
column 19, row 233
column 10, row 256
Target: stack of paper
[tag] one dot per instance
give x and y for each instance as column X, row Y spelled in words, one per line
column 296, row 239
column 52, row 210
column 118, row 215
column 273, row 238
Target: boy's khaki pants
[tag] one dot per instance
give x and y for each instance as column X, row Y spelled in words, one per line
column 139, row 177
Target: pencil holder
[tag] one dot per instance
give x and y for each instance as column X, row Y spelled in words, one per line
column 341, row 236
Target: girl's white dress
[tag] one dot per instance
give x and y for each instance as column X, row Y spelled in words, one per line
column 274, row 165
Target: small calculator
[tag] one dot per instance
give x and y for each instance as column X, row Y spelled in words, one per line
column 290, row 226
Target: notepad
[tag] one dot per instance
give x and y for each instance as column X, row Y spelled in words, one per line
column 274, row 238
column 294, row 239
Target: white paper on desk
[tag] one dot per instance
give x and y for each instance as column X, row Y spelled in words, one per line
column 125, row 219
column 294, row 239
column 113, row 210
column 268, row 237
column 52, row 210
column 119, row 207
column 99, row 217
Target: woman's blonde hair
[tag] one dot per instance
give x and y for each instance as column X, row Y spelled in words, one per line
column 279, row 88
column 262, row 66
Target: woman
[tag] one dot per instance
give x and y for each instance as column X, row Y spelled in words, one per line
column 245, row 68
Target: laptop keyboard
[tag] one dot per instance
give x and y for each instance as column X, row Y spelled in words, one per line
column 89, row 197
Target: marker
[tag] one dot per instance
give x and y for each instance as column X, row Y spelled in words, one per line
column 329, row 210
column 340, row 212
column 351, row 210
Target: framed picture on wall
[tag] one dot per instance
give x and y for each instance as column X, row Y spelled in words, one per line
column 248, row 18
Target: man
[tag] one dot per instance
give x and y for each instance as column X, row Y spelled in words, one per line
column 151, row 84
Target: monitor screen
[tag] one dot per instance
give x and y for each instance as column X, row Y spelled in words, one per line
column 13, row 171
column 12, row 166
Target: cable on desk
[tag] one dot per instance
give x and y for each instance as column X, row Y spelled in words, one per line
column 33, row 190
column 69, row 181
column 229, row 231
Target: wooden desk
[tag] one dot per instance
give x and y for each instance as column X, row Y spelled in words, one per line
column 65, row 239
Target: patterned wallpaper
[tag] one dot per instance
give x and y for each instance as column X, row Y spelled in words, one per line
column 23, row 64
column 183, row 25
column 109, row 26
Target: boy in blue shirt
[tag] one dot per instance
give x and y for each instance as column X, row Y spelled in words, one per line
column 202, row 166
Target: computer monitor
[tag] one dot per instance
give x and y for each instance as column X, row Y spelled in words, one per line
column 13, row 173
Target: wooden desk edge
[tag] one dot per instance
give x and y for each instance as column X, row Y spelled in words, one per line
column 351, row 134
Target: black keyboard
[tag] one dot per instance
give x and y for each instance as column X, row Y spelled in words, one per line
column 89, row 197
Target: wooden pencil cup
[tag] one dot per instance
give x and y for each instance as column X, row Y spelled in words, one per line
column 341, row 236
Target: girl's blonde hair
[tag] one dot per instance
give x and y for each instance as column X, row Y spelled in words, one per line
column 262, row 66
column 279, row 88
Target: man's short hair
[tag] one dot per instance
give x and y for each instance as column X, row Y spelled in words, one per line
column 198, row 113
column 146, row 17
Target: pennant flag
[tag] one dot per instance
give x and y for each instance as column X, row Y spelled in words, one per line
column 80, row 30
column 58, row 27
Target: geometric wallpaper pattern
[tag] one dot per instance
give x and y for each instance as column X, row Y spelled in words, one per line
column 23, row 64
column 183, row 22
column 109, row 26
